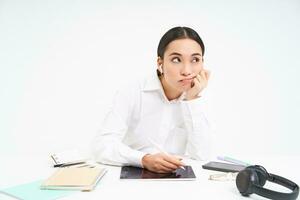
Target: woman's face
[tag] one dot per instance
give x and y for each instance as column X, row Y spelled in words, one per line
column 182, row 62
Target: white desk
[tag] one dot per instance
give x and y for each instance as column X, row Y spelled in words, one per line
column 111, row 187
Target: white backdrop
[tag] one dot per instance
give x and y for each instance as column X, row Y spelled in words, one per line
column 62, row 61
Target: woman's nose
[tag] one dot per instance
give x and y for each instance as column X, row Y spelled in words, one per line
column 186, row 70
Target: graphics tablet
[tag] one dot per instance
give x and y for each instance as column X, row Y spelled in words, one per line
column 129, row 172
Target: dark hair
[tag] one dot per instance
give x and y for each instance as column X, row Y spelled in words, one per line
column 175, row 34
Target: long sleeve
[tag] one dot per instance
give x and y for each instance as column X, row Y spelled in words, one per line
column 198, row 128
column 107, row 146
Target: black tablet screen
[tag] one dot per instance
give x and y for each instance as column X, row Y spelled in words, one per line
column 128, row 172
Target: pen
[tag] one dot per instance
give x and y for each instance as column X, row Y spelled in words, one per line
column 160, row 149
column 232, row 160
column 66, row 165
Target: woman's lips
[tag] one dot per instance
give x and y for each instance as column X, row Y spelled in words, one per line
column 186, row 80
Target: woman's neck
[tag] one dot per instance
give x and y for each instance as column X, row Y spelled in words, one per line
column 170, row 92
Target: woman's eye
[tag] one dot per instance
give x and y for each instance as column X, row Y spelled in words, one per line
column 195, row 60
column 176, row 60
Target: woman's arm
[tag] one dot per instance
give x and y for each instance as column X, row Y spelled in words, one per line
column 107, row 146
column 199, row 130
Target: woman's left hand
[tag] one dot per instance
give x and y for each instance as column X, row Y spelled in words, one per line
column 198, row 84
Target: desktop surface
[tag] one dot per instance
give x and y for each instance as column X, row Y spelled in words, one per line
column 16, row 170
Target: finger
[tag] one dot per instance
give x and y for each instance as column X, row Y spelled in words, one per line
column 207, row 74
column 178, row 157
column 193, row 83
column 203, row 75
column 200, row 79
column 203, row 78
column 169, row 165
column 173, row 160
column 163, row 169
column 196, row 83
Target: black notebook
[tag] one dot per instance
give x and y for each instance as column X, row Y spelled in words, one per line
column 128, row 172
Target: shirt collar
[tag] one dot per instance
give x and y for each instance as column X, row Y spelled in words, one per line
column 153, row 83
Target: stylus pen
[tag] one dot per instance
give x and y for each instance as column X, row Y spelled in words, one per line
column 159, row 148
column 67, row 165
column 232, row 160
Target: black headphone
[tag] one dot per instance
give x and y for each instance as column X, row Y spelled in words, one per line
column 253, row 178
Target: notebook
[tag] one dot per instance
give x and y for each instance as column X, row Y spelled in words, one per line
column 74, row 178
column 67, row 157
column 129, row 172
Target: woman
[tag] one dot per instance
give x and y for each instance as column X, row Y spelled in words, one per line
column 163, row 112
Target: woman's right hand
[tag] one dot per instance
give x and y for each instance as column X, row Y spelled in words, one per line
column 161, row 162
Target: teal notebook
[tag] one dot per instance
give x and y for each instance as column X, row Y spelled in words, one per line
column 32, row 191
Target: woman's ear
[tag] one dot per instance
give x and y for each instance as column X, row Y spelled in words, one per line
column 159, row 64
column 160, row 69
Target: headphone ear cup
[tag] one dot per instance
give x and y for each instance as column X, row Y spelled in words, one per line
column 245, row 181
column 262, row 174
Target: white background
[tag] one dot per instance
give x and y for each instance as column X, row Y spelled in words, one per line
column 62, row 61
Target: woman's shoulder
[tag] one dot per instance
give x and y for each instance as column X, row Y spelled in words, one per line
column 137, row 85
column 132, row 88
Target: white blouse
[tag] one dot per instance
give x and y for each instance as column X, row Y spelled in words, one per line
column 141, row 113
